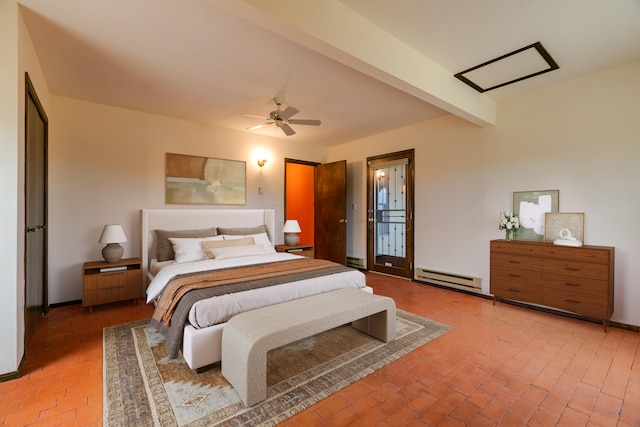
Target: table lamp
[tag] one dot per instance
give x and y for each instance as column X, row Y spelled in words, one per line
column 112, row 235
column 291, row 227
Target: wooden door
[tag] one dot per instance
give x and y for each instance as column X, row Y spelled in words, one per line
column 330, row 240
column 390, row 199
column 36, row 126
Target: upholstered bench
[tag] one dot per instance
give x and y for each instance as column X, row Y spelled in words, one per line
column 247, row 337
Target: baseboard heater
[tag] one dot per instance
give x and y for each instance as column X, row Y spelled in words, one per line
column 355, row 262
column 452, row 280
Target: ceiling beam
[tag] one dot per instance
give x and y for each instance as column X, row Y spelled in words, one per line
column 336, row 31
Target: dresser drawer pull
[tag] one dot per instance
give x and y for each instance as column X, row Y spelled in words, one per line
column 572, row 269
column 514, row 262
column 513, row 275
column 572, row 301
column 514, row 290
column 111, row 287
column 572, row 284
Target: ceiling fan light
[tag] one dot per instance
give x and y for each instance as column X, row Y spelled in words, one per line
column 254, row 127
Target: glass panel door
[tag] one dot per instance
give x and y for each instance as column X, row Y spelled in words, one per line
column 390, row 215
column 390, row 234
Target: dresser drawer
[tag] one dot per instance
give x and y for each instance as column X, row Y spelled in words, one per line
column 582, row 285
column 515, row 248
column 516, row 291
column 114, row 280
column 513, row 275
column 520, row 262
column 588, row 305
column 110, row 294
column 581, row 254
column 576, row 269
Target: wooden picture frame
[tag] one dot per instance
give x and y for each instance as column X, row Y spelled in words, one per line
column 204, row 180
column 530, row 207
column 554, row 223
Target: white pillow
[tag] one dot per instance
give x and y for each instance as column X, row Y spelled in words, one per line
column 239, row 251
column 260, row 239
column 188, row 250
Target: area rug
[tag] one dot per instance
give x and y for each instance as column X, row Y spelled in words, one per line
column 144, row 388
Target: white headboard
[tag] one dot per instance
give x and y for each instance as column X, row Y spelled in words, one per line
column 191, row 219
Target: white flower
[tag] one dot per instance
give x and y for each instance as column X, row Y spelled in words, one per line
column 508, row 221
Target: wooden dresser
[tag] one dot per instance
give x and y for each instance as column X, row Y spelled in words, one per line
column 574, row 279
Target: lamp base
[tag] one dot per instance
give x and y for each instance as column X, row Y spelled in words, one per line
column 291, row 239
column 112, row 252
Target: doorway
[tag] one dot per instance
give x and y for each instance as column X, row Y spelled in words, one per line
column 390, row 201
column 35, row 265
column 317, row 193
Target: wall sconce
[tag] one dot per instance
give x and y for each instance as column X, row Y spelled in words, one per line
column 261, row 163
column 112, row 235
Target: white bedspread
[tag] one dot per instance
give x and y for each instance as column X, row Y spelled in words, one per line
column 221, row 308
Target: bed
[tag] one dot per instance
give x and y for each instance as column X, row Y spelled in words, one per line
column 197, row 320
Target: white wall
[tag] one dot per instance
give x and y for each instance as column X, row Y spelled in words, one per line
column 9, row 354
column 18, row 57
column 580, row 137
column 108, row 163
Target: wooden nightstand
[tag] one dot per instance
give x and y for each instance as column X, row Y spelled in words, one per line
column 104, row 282
column 304, row 250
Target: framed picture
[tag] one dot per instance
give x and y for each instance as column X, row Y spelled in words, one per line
column 204, row 181
column 565, row 225
column 530, row 207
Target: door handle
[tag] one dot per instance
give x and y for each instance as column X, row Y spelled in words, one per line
column 343, row 220
column 31, row 229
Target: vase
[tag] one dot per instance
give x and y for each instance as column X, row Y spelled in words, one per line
column 508, row 234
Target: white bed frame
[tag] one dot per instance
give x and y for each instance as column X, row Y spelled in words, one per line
column 200, row 347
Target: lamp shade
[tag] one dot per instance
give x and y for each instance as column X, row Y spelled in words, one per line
column 291, row 226
column 112, row 233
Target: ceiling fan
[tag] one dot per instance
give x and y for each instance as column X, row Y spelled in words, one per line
column 282, row 119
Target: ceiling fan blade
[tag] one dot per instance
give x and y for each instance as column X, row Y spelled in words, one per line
column 255, row 116
column 287, row 129
column 288, row 112
column 305, row 122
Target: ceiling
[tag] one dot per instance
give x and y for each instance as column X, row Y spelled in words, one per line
column 361, row 66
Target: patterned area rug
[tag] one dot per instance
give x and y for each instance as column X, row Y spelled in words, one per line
column 144, row 388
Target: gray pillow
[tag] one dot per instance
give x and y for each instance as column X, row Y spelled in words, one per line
column 244, row 231
column 164, row 248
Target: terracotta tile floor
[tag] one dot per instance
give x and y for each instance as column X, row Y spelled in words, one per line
column 499, row 365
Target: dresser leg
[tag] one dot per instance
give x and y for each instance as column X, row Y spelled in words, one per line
column 605, row 324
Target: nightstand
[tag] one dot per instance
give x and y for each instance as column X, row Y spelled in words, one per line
column 104, row 282
column 304, row 250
